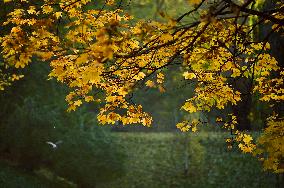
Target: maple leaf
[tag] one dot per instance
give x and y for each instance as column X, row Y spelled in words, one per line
column 58, row 15
column 247, row 139
column 46, row 9
column 77, row 103
column 194, row 129
column 110, row 2
column 150, row 83
column 188, row 106
column 32, row 10
column 188, row 75
column 89, row 98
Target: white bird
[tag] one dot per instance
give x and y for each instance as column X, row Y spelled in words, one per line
column 54, row 145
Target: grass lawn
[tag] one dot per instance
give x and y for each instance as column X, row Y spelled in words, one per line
column 187, row 160
column 155, row 160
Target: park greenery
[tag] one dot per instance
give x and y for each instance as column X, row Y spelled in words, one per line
column 164, row 93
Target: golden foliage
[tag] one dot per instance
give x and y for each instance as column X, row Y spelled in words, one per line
column 271, row 149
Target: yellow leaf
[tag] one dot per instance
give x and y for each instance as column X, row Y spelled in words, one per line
column 160, row 78
column 150, row 83
column 218, row 119
column 16, row 77
column 89, row 98
column 32, row 10
column 58, row 14
column 166, row 37
column 83, row 58
column 188, row 106
column 110, row 2
column 188, row 75
column 161, row 89
column 194, row 1
column 47, row 9
column 247, row 139
column 78, row 103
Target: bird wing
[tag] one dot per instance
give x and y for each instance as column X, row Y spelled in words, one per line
column 52, row 144
column 58, row 142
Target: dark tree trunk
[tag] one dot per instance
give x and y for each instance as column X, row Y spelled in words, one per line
column 243, row 107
